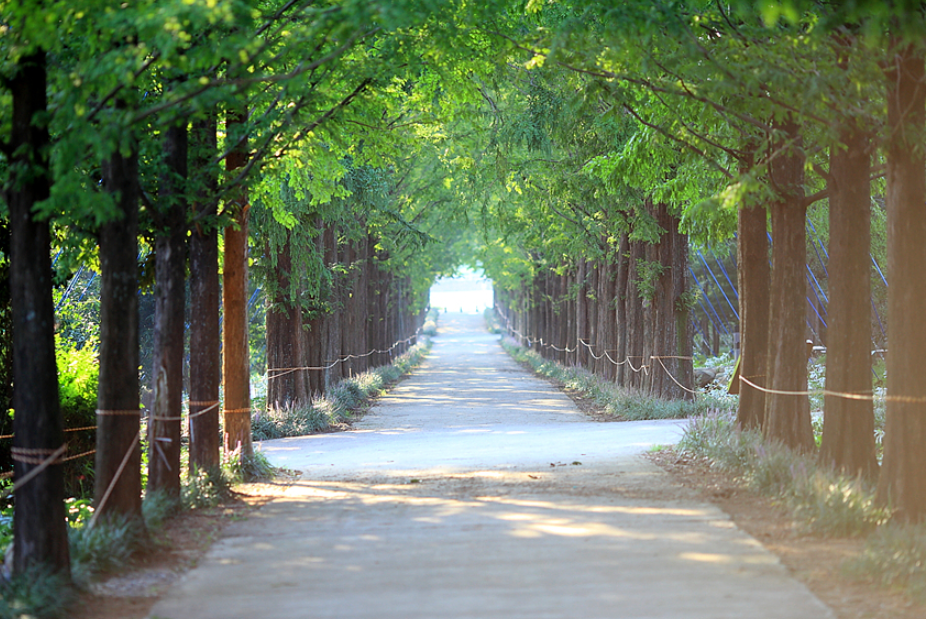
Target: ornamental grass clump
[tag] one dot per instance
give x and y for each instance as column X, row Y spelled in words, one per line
column 895, row 558
column 822, row 501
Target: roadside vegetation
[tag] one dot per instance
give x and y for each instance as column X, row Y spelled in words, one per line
column 821, row 501
column 620, row 403
column 340, row 404
column 109, row 545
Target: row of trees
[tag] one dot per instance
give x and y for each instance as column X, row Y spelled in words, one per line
column 211, row 138
column 624, row 317
column 332, row 144
column 735, row 117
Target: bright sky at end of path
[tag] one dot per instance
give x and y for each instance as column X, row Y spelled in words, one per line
column 469, row 293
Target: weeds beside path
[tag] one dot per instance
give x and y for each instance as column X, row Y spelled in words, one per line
column 815, row 560
column 178, row 546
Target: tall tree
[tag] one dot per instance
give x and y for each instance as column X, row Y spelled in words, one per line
column 39, row 522
column 164, row 426
column 753, row 275
column 848, row 425
column 236, row 373
column 205, row 370
column 117, row 482
column 902, row 483
column 787, row 417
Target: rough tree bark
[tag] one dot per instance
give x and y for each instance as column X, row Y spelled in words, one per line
column 170, row 269
column 333, row 318
column 848, row 425
column 39, row 522
column 620, row 303
column 285, row 387
column 235, row 362
column 592, row 316
column 205, row 370
column 606, row 318
column 118, row 413
column 902, row 483
column 683, row 364
column 754, row 278
column 581, row 309
column 633, row 375
column 787, row 417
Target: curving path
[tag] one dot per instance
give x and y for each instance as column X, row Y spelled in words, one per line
column 476, row 490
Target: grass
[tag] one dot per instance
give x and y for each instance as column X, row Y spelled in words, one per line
column 822, row 501
column 894, row 558
column 111, row 543
column 34, row 594
column 614, row 400
column 339, row 404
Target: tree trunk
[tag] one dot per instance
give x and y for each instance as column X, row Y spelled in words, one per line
column 205, row 370
column 581, row 301
column 349, row 331
column 787, row 417
column 683, row 364
column 754, row 278
column 333, row 318
column 633, row 378
column 285, row 386
column 39, row 522
column 620, row 314
column 170, row 270
column 117, row 482
column 236, row 371
column 592, row 316
column 902, row 482
column 848, row 427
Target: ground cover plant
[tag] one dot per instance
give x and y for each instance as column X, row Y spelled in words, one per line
column 821, row 501
column 105, row 546
column 341, row 403
column 614, row 400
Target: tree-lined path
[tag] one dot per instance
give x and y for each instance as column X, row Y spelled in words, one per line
column 443, row 503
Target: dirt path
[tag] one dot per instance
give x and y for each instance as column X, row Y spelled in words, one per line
column 476, row 490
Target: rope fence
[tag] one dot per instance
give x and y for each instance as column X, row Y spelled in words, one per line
column 280, row 372
column 44, row 458
column 658, row 358
column 605, row 355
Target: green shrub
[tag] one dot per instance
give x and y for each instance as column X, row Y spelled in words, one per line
column 78, row 371
column 238, row 468
column 713, row 435
column 838, row 506
column 104, row 547
column 34, row 594
column 289, row 420
column 204, row 488
column 429, row 328
column 157, row 508
column 492, row 324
